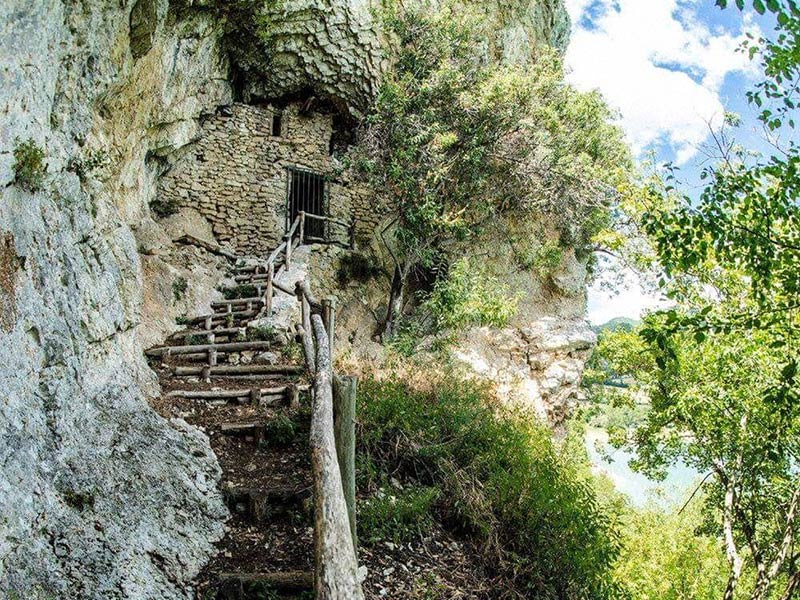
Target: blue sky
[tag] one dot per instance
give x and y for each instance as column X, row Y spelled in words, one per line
column 670, row 67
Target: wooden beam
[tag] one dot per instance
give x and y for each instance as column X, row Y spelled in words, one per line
column 227, row 347
column 336, row 568
column 234, row 370
column 344, row 433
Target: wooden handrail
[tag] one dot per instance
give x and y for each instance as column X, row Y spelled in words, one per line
column 335, row 560
column 336, row 572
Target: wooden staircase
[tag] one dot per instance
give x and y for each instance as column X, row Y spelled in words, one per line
column 256, row 415
column 269, row 419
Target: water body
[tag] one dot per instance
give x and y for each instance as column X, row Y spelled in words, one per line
column 675, row 489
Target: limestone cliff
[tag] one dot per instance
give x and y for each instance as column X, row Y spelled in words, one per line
column 99, row 497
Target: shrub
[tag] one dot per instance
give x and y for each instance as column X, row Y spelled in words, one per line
column 292, row 352
column 179, row 287
column 84, row 165
column 469, row 296
column 181, row 320
column 397, row 515
column 502, row 481
column 239, row 291
column 280, row 431
column 261, row 333
column 197, row 339
column 356, row 266
column 29, row 165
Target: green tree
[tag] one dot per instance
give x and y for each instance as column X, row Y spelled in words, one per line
column 721, row 367
column 457, row 139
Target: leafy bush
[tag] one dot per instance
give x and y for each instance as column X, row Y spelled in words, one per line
column 29, row 165
column 501, row 480
column 396, row 515
column 470, row 296
column 356, row 266
column 261, row 333
column 239, row 291
column 280, row 431
column 84, row 165
column 179, row 287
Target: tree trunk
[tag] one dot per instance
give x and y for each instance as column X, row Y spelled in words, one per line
column 395, row 308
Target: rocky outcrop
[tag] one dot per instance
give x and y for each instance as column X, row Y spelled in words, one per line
column 537, row 367
column 100, row 498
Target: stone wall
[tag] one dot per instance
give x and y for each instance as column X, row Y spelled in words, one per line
column 235, row 175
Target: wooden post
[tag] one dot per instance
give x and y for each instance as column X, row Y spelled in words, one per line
column 344, row 431
column 302, row 226
column 268, row 292
column 288, row 239
column 329, row 318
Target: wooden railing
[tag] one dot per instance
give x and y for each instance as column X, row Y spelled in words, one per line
column 332, row 427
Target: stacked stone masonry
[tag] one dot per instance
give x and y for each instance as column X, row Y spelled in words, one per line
column 235, row 175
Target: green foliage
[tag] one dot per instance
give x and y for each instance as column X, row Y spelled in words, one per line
column 456, row 141
column 501, row 480
column 470, row 296
column 30, row 167
column 721, row 366
column 667, row 556
column 540, row 258
column 179, row 287
column 356, row 266
column 261, row 333
column 280, row 431
column 84, row 165
column 181, row 320
column 292, row 352
column 399, row 516
column 239, row 291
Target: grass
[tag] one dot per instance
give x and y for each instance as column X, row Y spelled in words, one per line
column 399, row 516
column 30, row 167
column 280, row 431
column 179, row 287
column 498, row 478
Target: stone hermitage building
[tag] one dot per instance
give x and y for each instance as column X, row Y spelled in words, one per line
column 254, row 167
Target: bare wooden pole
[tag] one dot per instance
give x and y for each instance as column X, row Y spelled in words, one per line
column 268, row 292
column 288, row 240
column 344, row 432
column 302, row 226
column 329, row 317
column 336, row 568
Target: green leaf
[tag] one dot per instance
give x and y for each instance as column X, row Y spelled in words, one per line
column 759, row 6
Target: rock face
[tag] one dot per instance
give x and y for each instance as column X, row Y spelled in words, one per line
column 538, row 366
column 100, row 498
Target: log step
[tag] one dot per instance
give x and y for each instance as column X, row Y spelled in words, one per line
column 258, row 395
column 235, row 301
column 262, row 505
column 224, row 332
column 221, row 317
column 196, row 348
column 252, row 586
column 237, row 370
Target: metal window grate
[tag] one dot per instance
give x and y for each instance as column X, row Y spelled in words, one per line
column 306, row 191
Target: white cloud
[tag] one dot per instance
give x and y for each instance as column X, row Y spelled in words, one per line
column 657, row 64
column 627, row 299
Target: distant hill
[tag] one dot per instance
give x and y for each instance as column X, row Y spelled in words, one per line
column 616, row 324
